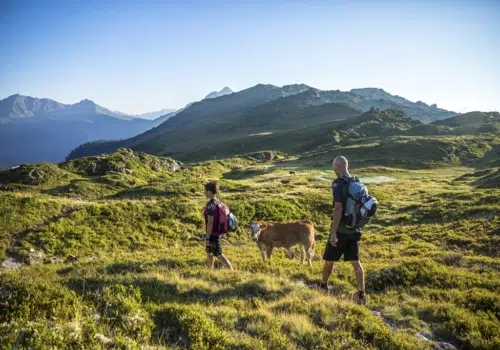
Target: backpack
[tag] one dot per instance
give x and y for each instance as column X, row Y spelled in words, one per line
column 227, row 221
column 359, row 206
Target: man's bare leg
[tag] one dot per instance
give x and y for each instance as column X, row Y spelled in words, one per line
column 360, row 275
column 327, row 271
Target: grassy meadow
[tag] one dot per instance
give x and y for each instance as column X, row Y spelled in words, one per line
column 115, row 261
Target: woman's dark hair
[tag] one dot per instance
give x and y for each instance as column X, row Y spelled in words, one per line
column 212, row 187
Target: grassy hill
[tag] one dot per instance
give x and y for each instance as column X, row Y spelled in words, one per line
column 473, row 122
column 112, row 258
column 292, row 126
column 376, row 137
column 262, row 109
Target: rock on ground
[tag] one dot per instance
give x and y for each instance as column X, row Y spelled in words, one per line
column 10, row 263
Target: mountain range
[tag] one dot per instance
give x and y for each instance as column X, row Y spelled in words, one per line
column 40, row 130
column 36, row 130
column 222, row 124
column 226, row 121
column 156, row 114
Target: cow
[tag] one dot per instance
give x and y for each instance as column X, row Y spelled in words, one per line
column 270, row 235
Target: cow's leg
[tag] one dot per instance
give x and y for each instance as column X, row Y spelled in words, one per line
column 269, row 252
column 289, row 253
column 263, row 252
column 309, row 255
column 302, row 254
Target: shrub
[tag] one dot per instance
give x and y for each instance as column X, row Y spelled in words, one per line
column 120, row 307
column 190, row 326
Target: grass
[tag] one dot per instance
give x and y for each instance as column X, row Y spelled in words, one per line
column 431, row 258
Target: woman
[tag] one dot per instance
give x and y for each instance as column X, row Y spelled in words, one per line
column 213, row 244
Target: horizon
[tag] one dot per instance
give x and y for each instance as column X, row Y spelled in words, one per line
column 139, row 58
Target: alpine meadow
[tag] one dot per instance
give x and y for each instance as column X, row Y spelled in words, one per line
column 360, row 137
column 108, row 252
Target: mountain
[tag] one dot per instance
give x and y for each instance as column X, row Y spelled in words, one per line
column 40, row 130
column 156, row 115
column 85, row 110
column 462, row 124
column 379, row 94
column 19, row 107
column 165, row 117
column 470, row 119
column 190, row 125
column 261, row 109
column 223, row 92
column 364, row 99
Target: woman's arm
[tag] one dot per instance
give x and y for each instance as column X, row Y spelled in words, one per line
column 210, row 225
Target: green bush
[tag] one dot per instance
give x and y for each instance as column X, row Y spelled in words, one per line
column 189, row 325
column 120, row 307
column 424, row 272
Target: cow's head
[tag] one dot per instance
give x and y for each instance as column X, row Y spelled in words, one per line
column 255, row 229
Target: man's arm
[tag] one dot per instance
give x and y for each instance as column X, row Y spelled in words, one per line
column 337, row 216
column 337, row 210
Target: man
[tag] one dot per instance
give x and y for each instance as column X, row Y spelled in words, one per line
column 343, row 241
column 213, row 244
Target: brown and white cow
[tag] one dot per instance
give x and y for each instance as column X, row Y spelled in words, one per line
column 270, row 235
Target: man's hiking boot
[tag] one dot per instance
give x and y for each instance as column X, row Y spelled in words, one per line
column 361, row 298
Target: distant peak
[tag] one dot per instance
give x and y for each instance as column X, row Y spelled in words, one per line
column 369, row 89
column 87, row 102
column 15, row 97
column 214, row 94
column 265, row 85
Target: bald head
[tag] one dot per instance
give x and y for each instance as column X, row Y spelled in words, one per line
column 341, row 166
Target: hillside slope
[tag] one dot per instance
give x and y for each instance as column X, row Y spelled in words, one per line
column 111, row 257
column 328, row 129
column 258, row 110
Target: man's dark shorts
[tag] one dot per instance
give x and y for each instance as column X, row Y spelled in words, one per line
column 347, row 245
column 214, row 246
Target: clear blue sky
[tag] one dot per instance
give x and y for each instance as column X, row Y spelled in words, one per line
column 143, row 56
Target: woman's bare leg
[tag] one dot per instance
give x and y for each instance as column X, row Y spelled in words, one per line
column 225, row 261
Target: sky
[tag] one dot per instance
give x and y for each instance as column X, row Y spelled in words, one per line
column 143, row 56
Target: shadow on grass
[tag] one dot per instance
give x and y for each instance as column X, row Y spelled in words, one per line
column 142, row 192
column 243, row 174
column 66, row 189
column 157, row 291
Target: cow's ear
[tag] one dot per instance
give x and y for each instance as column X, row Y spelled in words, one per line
column 262, row 225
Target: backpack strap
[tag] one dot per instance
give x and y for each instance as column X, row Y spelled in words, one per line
column 345, row 189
